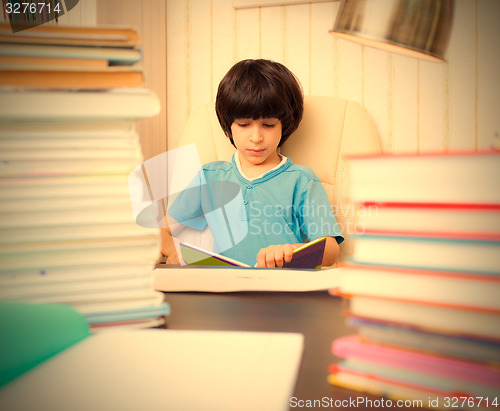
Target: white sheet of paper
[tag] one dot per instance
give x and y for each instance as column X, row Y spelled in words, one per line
column 163, row 370
column 229, row 279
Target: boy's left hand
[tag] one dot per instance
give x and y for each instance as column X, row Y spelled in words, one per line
column 275, row 255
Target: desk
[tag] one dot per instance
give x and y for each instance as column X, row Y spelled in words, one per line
column 316, row 315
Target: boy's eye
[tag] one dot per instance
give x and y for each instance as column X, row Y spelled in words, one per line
column 242, row 124
column 269, row 125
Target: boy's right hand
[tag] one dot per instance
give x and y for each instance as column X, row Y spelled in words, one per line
column 275, row 255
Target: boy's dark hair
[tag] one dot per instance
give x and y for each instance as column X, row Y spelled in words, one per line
column 260, row 89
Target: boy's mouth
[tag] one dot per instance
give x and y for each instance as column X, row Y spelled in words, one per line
column 256, row 151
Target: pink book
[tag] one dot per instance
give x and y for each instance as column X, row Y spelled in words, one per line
column 354, row 346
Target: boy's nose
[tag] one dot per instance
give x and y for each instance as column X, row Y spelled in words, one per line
column 255, row 135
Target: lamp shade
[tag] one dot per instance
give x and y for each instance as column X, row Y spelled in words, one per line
column 416, row 28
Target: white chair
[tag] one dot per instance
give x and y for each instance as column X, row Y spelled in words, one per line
column 330, row 129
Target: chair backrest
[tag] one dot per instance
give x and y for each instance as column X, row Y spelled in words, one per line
column 330, row 129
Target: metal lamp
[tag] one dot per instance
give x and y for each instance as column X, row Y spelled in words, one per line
column 415, row 28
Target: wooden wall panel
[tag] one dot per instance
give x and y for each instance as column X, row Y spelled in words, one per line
column 462, row 78
column 200, row 41
column 150, row 22
column 377, row 99
column 248, row 40
column 322, row 49
column 83, row 14
column 405, row 105
column 431, row 110
column 178, row 68
column 298, row 42
column 223, row 44
column 154, row 131
column 273, row 33
column 350, row 71
column 488, row 75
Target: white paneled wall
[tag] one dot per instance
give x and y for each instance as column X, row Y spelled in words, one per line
column 417, row 106
column 488, row 70
column 148, row 18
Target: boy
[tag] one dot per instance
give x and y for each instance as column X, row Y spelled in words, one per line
column 259, row 105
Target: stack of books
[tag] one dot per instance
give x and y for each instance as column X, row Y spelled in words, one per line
column 59, row 57
column 423, row 283
column 68, row 233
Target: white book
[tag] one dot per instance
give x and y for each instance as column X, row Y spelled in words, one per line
column 94, row 308
column 36, row 187
column 75, row 299
column 452, row 289
column 44, row 256
column 99, row 272
column 463, row 178
column 164, row 369
column 65, row 203
column 89, row 142
column 466, row 254
column 62, row 166
column 72, row 232
column 114, row 104
column 60, row 290
column 58, row 153
column 106, row 215
column 227, row 279
column 119, row 130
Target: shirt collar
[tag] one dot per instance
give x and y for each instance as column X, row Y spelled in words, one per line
column 238, row 165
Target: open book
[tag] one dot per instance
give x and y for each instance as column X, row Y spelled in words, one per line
column 309, row 256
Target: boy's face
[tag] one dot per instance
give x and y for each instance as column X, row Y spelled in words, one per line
column 257, row 141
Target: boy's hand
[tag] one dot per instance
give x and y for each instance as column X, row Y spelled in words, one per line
column 276, row 255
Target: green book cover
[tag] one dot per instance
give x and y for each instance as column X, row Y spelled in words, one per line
column 32, row 333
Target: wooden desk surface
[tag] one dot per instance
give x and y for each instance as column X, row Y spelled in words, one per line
column 316, row 315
